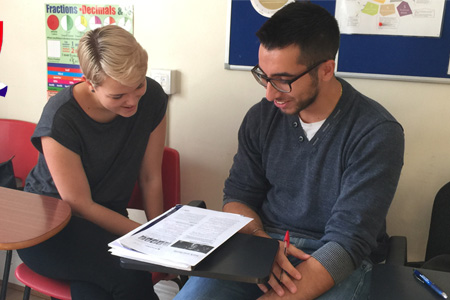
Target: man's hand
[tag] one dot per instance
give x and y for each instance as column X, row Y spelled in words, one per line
column 306, row 281
column 277, row 280
column 314, row 282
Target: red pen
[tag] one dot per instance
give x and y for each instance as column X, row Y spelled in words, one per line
column 287, row 241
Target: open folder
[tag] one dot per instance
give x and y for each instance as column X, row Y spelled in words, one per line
column 180, row 238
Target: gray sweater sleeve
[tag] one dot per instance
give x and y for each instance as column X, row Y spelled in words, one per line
column 335, row 260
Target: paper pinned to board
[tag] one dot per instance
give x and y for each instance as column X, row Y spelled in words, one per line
column 421, row 18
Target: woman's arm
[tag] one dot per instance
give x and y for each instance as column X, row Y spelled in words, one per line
column 150, row 180
column 70, row 179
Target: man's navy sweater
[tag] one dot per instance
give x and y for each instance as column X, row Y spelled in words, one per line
column 336, row 188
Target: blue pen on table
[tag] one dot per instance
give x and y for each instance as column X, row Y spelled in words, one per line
column 423, row 279
column 287, row 241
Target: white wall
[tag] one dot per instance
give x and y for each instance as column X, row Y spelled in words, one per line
column 204, row 116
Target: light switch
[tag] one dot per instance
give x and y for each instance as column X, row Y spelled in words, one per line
column 166, row 78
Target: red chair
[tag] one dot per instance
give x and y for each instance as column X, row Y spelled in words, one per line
column 170, row 173
column 15, row 141
column 59, row 289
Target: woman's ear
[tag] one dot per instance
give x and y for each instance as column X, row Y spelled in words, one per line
column 90, row 85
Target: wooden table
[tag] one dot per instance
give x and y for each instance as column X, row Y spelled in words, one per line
column 26, row 220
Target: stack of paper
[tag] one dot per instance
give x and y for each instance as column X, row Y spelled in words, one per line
column 179, row 238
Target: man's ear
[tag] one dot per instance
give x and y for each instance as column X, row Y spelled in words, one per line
column 327, row 70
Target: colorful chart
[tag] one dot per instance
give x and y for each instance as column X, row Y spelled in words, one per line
column 81, row 23
column 95, row 22
column 67, row 23
column 126, row 24
column 109, row 21
column 60, row 76
column 52, row 22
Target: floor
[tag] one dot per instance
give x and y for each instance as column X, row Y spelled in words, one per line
column 16, row 293
column 166, row 290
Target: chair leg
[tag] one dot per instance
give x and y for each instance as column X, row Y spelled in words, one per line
column 178, row 281
column 26, row 293
column 183, row 279
column 6, row 274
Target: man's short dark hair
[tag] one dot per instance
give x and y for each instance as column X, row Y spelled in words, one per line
column 309, row 26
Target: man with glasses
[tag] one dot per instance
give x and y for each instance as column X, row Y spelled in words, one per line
column 316, row 158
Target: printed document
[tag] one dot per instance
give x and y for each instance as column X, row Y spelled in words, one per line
column 179, row 238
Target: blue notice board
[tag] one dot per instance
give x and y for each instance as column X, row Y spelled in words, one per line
column 408, row 58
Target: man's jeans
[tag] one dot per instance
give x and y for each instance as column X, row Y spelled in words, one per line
column 355, row 287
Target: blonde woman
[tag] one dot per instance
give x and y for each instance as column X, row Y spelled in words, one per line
column 96, row 139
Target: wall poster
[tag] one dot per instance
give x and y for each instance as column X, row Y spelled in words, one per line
column 420, row 18
column 65, row 25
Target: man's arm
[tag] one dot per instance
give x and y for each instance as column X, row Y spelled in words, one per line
column 281, row 262
column 315, row 281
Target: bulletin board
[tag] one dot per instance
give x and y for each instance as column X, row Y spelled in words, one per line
column 390, row 57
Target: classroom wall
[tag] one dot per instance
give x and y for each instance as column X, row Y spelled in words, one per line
column 205, row 114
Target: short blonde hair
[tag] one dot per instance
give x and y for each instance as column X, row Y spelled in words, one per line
column 112, row 51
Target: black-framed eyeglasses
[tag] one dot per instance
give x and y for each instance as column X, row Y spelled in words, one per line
column 281, row 85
